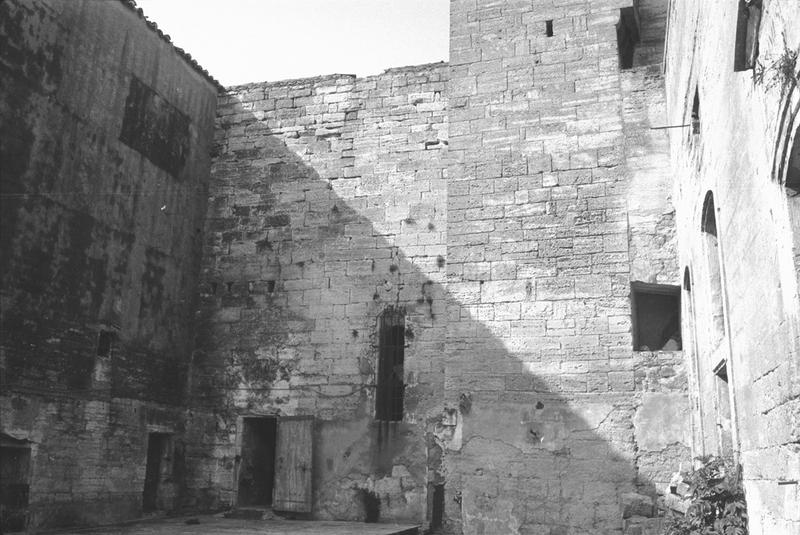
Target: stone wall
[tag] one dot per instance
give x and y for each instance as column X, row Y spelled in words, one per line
column 558, row 198
column 747, row 124
column 327, row 206
column 101, row 232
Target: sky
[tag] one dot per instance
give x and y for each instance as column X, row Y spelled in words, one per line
column 242, row 41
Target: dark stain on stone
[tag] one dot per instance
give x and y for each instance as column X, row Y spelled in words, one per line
column 155, row 128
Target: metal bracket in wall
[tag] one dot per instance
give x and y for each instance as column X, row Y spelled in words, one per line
column 669, row 126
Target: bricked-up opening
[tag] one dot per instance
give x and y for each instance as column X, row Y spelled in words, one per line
column 627, row 36
column 792, row 181
column 724, row 434
column 656, row 317
column 708, row 226
column 389, row 395
column 696, row 113
column 257, row 468
column 747, row 26
column 548, row 28
column 105, row 343
column 158, row 467
column 15, row 462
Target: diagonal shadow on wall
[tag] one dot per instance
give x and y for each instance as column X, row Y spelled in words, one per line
column 302, row 255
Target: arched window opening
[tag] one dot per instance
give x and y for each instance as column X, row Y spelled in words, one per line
column 713, row 269
column 390, row 387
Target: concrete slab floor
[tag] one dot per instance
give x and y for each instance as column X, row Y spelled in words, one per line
column 213, row 525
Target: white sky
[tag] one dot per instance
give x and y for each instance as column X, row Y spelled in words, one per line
column 241, row 41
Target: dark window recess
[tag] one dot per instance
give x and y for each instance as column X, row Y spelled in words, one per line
column 708, row 223
column 793, row 172
column 548, row 28
column 696, row 113
column 105, row 343
column 155, row 128
column 747, row 25
column 656, row 317
column 389, row 395
column 627, row 36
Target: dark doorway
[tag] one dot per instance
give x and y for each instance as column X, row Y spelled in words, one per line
column 15, row 460
column 158, row 456
column 257, row 472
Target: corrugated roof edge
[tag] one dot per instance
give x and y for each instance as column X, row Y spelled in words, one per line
column 131, row 4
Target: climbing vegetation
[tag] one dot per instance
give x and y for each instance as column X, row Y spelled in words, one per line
column 716, row 501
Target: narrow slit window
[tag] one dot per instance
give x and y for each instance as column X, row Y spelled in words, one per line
column 724, row 429
column 548, row 28
column 696, row 113
column 792, row 182
column 747, row 26
column 656, row 317
column 627, row 37
column 390, row 387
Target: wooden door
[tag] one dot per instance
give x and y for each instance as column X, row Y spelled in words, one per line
column 293, row 458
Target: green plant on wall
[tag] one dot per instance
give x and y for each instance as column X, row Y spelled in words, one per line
column 783, row 71
column 716, row 501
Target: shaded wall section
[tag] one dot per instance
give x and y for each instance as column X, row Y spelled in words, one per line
column 106, row 131
column 741, row 159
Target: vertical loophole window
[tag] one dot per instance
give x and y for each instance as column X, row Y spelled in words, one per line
column 747, row 26
column 548, row 28
column 389, row 395
column 696, row 113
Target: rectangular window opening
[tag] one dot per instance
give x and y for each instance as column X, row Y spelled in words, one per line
column 390, row 385
column 105, row 343
column 656, row 317
column 548, row 28
column 627, row 36
column 747, row 28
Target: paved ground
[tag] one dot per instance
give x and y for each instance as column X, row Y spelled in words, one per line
column 212, row 525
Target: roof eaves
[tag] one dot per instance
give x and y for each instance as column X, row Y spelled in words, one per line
column 131, row 4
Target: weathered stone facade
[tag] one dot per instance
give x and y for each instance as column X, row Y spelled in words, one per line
column 101, row 241
column 741, row 283
column 517, row 212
